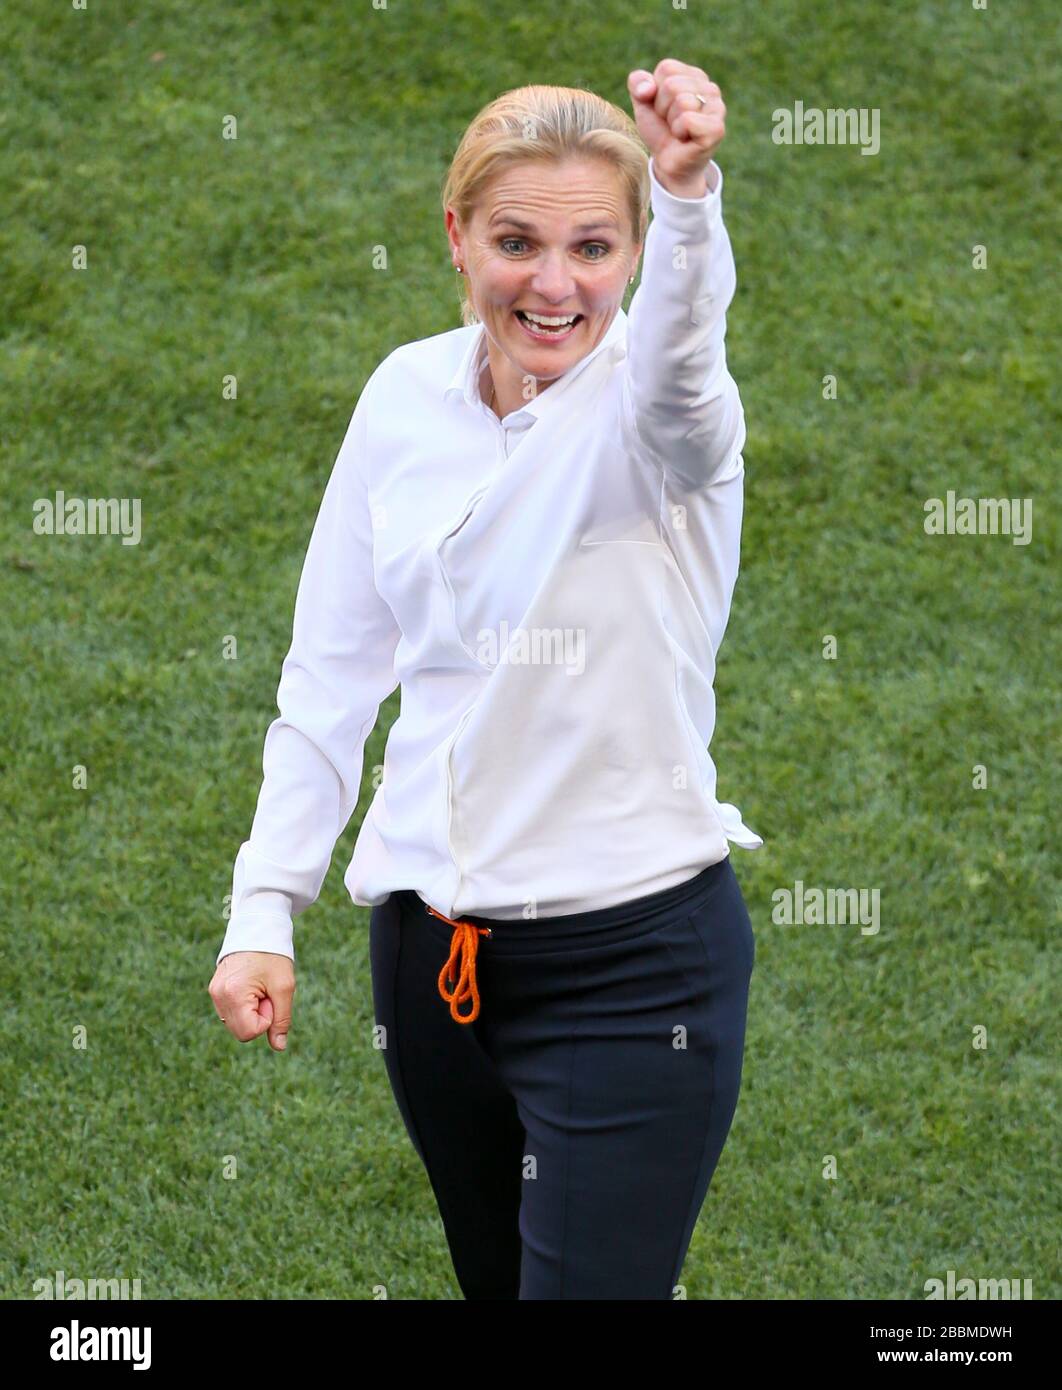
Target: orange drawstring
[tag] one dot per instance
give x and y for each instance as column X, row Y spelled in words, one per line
column 465, row 939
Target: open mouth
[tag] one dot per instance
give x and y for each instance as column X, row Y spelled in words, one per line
column 546, row 326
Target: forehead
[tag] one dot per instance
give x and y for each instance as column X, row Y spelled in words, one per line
column 587, row 191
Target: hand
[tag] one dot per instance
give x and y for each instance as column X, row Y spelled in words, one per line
column 681, row 133
column 252, row 991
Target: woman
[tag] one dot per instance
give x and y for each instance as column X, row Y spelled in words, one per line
column 533, row 527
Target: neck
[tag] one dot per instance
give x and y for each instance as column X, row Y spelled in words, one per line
column 503, row 396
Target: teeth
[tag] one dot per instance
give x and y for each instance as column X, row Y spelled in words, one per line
column 545, row 322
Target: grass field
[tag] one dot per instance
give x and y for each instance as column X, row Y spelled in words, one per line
column 254, row 257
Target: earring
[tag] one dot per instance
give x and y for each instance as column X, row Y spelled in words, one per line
column 631, row 280
column 460, row 269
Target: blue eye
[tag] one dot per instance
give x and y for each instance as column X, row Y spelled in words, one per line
column 508, row 241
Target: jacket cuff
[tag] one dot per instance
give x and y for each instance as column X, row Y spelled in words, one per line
column 266, row 931
column 687, row 214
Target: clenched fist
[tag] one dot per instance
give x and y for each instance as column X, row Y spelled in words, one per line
column 681, row 131
column 252, row 992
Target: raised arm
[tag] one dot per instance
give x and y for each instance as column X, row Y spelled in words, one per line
column 338, row 670
column 683, row 406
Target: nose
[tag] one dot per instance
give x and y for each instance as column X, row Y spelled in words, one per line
column 553, row 280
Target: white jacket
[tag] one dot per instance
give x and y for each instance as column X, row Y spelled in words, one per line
column 549, row 590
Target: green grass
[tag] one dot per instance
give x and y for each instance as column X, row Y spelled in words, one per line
column 254, row 257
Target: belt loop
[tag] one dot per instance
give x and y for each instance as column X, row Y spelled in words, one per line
column 463, row 944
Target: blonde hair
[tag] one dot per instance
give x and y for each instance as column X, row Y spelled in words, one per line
column 552, row 124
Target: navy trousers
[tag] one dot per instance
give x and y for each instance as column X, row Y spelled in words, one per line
column 570, row 1132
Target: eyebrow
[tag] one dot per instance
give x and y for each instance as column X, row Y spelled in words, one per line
column 505, row 218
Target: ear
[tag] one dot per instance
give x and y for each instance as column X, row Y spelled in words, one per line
column 453, row 232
